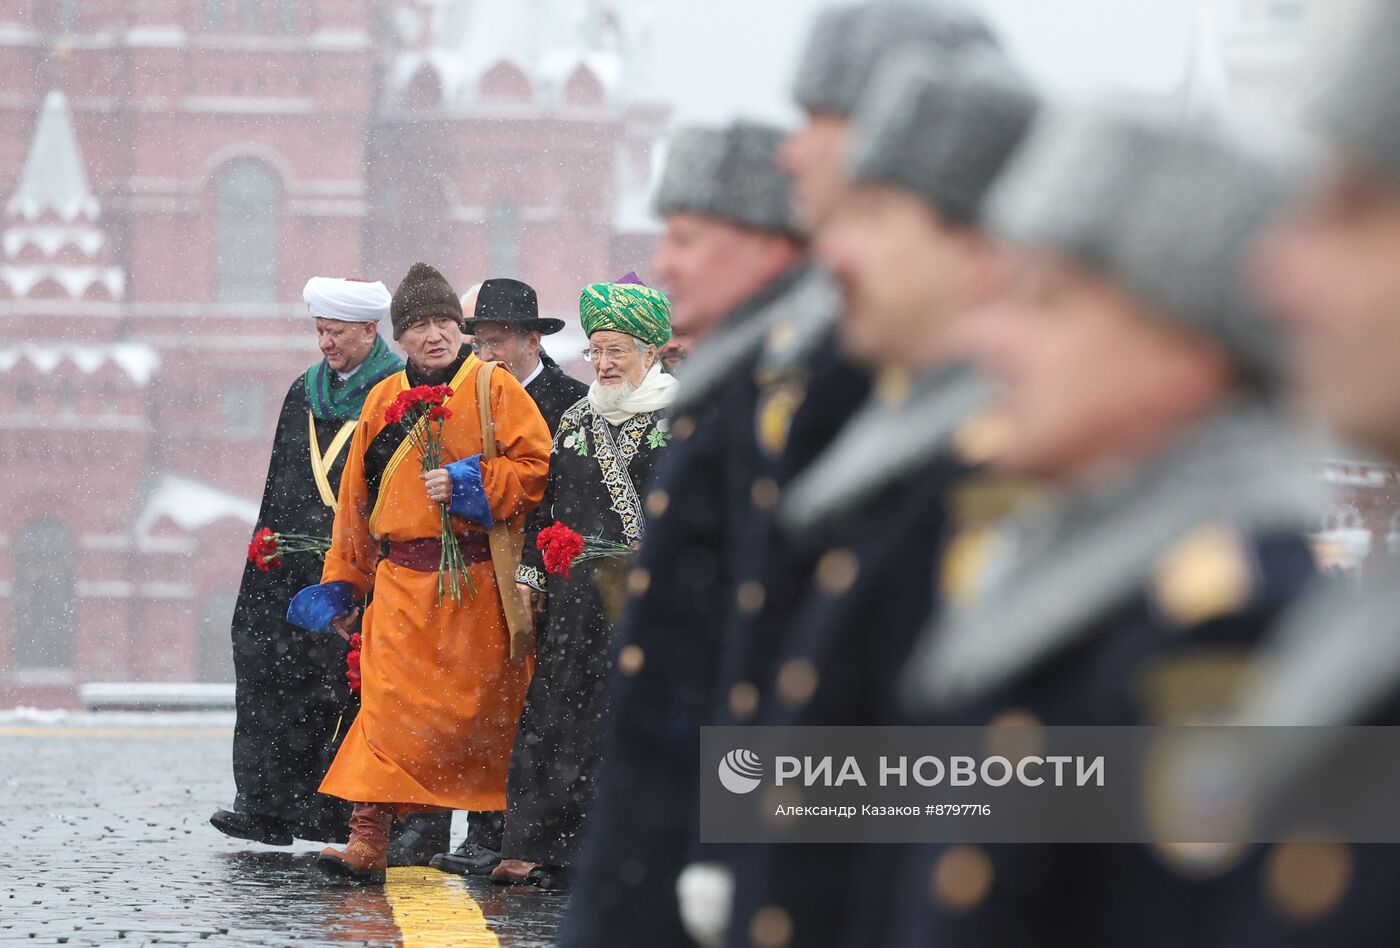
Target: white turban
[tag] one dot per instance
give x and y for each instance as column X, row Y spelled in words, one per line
column 350, row 301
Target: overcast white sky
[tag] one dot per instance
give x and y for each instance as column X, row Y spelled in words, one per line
column 721, row 58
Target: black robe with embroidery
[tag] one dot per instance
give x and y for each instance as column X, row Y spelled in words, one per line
column 597, row 477
column 291, row 686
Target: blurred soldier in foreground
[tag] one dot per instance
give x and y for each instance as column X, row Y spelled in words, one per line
column 605, row 452
column 443, row 680
column 730, row 252
column 805, row 387
column 1135, row 387
column 905, row 242
column 291, row 688
column 1332, row 270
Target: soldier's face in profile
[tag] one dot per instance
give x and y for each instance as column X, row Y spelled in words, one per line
column 907, row 275
column 815, row 156
column 1332, row 275
column 709, row 266
column 1090, row 378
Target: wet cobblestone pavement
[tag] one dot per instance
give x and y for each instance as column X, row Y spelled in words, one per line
column 107, row 843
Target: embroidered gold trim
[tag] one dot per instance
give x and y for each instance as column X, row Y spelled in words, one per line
column 614, row 459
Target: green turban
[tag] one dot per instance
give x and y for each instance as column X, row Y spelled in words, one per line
column 633, row 308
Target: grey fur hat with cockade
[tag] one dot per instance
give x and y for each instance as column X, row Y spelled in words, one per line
column 848, row 43
column 1168, row 208
column 942, row 128
column 730, row 173
column 1359, row 102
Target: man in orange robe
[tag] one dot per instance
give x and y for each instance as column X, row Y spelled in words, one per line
column 441, row 695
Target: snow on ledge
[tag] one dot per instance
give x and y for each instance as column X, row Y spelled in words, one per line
column 191, row 505
column 139, row 361
column 52, row 717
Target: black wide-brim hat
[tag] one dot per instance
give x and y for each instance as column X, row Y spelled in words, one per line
column 512, row 303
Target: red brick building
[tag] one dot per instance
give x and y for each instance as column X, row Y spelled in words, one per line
column 171, row 172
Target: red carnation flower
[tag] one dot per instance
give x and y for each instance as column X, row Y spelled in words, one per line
column 561, row 545
column 263, row 552
column 352, row 663
column 439, row 414
column 417, row 401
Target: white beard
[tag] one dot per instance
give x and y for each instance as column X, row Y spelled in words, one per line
column 606, row 398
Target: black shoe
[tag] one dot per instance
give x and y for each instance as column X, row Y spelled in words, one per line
column 338, row 870
column 468, row 859
column 418, row 837
column 549, row 878
column 260, row 829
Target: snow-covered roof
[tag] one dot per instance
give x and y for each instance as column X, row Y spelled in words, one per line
column 547, row 40
column 138, row 360
column 191, row 505
column 54, row 178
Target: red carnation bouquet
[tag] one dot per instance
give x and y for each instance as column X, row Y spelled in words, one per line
column 352, row 664
column 423, row 410
column 563, row 548
column 268, row 547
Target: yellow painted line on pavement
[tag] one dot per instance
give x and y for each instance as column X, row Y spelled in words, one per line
column 97, row 733
column 433, row 908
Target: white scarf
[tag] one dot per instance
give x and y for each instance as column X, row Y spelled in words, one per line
column 656, row 392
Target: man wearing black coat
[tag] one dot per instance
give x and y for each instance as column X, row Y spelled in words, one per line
column 507, row 327
column 293, row 699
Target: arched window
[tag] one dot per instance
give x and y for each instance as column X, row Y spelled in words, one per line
column 584, row 89
column 505, row 82
column 425, row 89
column 503, row 235
column 245, row 229
column 215, row 651
column 250, row 15
column 68, row 16
column 45, row 598
column 214, row 15
column 287, row 16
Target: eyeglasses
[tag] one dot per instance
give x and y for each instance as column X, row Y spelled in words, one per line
column 614, row 353
column 493, row 342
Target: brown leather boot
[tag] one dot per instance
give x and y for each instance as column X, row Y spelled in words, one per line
column 364, row 858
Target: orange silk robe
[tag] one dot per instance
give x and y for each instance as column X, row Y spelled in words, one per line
column 440, row 697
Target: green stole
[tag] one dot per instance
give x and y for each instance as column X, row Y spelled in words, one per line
column 343, row 401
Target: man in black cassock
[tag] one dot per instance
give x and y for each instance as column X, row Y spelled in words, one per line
column 505, row 325
column 293, row 698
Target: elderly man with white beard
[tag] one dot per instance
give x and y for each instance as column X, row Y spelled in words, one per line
column 605, row 451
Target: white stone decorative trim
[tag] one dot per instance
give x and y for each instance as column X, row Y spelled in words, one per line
column 347, row 41
column 167, row 591
column 104, row 542
column 327, row 208
column 104, row 589
column 168, row 37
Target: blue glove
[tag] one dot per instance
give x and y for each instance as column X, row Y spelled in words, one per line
column 314, row 608
column 468, row 495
